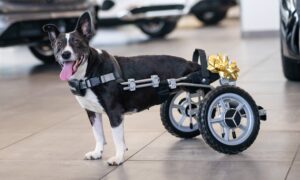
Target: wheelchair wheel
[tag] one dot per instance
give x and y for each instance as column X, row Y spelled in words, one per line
column 229, row 119
column 175, row 115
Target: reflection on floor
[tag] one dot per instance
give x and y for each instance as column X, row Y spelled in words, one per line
column 44, row 133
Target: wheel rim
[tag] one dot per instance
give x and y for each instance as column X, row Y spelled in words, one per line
column 230, row 119
column 45, row 50
column 153, row 26
column 179, row 112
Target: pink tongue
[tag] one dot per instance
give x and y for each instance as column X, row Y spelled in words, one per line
column 67, row 71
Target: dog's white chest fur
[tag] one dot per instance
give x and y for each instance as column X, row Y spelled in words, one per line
column 90, row 102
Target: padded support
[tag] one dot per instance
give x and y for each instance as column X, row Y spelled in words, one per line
column 199, row 57
column 163, row 91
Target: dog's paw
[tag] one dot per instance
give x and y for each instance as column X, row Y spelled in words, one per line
column 115, row 161
column 93, row 155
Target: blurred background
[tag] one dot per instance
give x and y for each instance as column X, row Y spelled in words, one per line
column 130, row 22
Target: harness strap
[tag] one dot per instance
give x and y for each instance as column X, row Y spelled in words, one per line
column 199, row 57
column 117, row 69
column 78, row 87
column 96, row 81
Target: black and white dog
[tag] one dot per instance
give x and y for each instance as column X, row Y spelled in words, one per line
column 80, row 61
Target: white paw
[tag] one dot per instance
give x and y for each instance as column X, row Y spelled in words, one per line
column 115, row 161
column 93, row 155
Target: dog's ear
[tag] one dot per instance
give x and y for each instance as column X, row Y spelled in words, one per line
column 52, row 31
column 85, row 26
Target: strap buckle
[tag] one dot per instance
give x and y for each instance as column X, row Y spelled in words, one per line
column 75, row 87
column 95, row 81
column 107, row 77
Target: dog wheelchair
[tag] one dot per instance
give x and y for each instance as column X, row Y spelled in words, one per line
column 226, row 116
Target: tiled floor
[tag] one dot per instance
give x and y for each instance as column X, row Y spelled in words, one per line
column 44, row 133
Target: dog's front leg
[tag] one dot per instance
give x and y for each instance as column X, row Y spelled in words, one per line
column 97, row 126
column 119, row 141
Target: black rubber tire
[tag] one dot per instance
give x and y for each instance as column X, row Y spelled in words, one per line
column 218, row 15
column 46, row 59
column 291, row 68
column 203, row 121
column 166, row 121
column 167, row 28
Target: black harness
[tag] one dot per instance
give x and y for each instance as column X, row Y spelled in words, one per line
column 78, row 87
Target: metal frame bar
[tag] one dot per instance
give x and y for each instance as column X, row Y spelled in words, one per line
column 154, row 81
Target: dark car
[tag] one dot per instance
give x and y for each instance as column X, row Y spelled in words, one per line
column 289, row 34
column 211, row 12
column 21, row 22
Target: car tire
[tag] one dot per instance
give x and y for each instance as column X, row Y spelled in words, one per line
column 43, row 52
column 157, row 28
column 211, row 16
column 291, row 68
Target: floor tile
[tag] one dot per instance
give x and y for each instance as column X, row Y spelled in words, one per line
column 269, row 146
column 160, row 170
column 49, row 170
column 294, row 173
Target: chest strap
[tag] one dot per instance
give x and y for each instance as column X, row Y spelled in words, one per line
column 78, row 87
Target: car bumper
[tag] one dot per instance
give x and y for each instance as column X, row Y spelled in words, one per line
column 151, row 14
column 146, row 12
column 7, row 20
column 22, row 28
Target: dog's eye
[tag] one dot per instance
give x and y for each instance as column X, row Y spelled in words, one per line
column 76, row 41
column 59, row 44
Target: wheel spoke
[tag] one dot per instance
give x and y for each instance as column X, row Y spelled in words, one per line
column 181, row 120
column 194, row 95
column 223, row 104
column 177, row 106
column 222, row 113
column 243, row 115
column 216, row 120
column 240, row 106
column 234, row 120
column 226, row 132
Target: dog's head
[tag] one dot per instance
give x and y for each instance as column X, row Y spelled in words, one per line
column 71, row 49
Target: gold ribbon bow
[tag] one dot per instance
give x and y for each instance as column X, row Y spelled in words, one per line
column 221, row 64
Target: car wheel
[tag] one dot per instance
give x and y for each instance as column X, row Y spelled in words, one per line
column 210, row 16
column 43, row 52
column 157, row 28
column 291, row 68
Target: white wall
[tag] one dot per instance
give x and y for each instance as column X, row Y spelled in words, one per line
column 259, row 16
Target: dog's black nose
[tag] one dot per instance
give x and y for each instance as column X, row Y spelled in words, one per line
column 66, row 55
